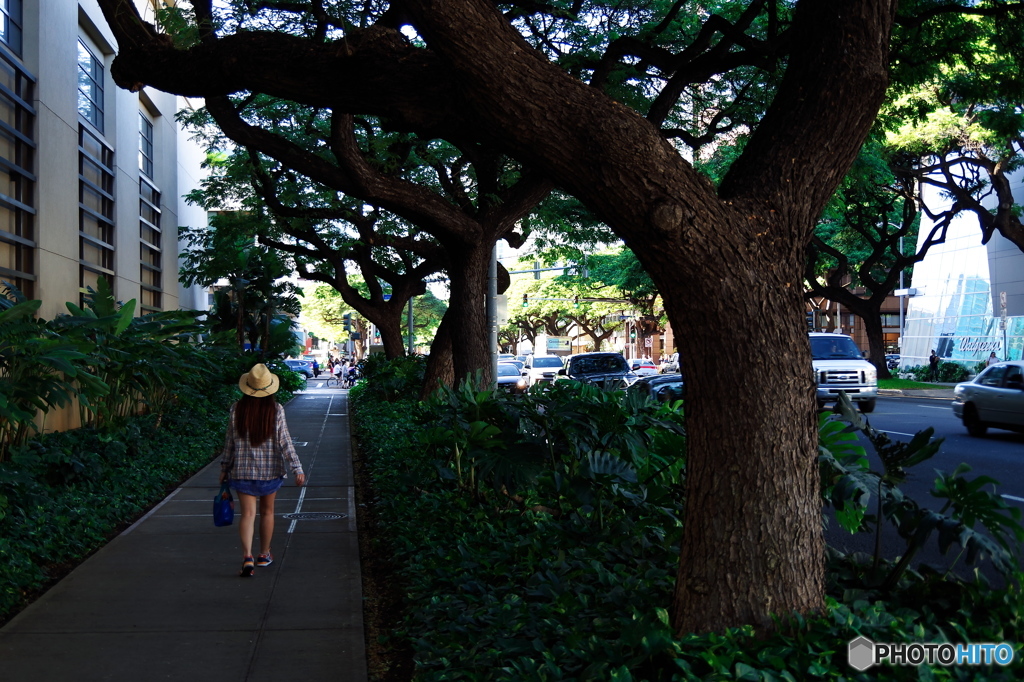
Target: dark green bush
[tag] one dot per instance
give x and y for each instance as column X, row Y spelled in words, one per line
column 953, row 372
column 949, row 372
column 563, row 569
column 392, row 379
column 63, row 495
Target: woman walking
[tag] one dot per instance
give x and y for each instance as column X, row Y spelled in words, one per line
column 258, row 453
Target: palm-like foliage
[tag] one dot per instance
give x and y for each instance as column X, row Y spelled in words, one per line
column 142, row 360
column 39, row 370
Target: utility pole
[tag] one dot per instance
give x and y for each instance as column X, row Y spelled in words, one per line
column 492, row 311
column 412, row 337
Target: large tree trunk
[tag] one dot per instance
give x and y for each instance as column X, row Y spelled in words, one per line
column 470, row 339
column 752, row 542
column 391, row 336
column 876, row 342
column 440, row 371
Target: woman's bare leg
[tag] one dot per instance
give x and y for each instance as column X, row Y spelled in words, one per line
column 246, row 521
column 266, row 521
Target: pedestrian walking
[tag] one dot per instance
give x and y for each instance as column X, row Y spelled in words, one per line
column 258, row 454
column 316, row 368
column 933, row 367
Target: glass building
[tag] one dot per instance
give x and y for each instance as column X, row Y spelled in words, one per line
column 968, row 297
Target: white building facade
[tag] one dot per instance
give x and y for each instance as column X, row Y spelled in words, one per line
column 968, row 297
column 93, row 175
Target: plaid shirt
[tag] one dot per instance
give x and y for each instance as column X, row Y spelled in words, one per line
column 265, row 462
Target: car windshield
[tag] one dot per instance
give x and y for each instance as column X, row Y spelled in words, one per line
column 507, row 371
column 599, row 364
column 547, row 361
column 834, row 347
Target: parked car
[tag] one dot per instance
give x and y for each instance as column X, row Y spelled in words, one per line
column 520, row 365
column 511, row 378
column 505, row 357
column 839, row 366
column 669, row 364
column 303, row 367
column 993, row 399
column 643, row 367
column 661, row 387
column 606, row 369
column 892, row 361
column 542, row 368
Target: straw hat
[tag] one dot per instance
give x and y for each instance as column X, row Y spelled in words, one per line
column 259, row 382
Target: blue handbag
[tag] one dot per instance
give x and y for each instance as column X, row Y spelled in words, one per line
column 223, row 506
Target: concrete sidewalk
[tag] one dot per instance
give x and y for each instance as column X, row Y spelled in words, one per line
column 164, row 601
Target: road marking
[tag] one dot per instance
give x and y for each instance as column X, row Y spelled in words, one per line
column 298, row 508
column 932, row 407
column 897, row 433
column 1015, row 499
column 319, row 440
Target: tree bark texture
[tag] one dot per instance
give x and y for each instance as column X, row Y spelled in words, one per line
column 440, row 370
column 468, row 331
column 727, row 260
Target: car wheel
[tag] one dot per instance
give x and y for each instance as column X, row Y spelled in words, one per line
column 975, row 426
column 867, row 406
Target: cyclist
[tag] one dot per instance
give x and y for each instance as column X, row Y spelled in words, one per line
column 337, row 372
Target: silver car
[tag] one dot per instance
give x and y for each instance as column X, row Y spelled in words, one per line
column 303, row 367
column 994, row 398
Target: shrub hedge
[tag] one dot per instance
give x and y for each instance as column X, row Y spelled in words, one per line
column 63, row 495
column 570, row 577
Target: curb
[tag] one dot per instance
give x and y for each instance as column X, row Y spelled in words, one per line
column 934, row 394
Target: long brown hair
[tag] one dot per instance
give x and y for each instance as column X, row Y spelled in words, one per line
column 256, row 418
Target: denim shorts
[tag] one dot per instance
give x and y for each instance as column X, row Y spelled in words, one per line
column 256, row 488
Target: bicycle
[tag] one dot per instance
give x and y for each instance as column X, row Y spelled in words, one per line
column 333, row 382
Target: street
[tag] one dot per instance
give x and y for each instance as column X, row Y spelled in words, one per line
column 998, row 455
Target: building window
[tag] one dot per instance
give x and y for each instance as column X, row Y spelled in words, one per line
column 90, row 86
column 95, row 210
column 145, row 146
column 17, row 176
column 10, row 24
column 150, row 247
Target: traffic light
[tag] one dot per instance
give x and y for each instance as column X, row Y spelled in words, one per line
column 632, row 335
column 576, row 302
column 526, row 300
column 347, row 317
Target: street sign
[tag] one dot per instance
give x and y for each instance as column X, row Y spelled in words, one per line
column 502, row 301
column 558, row 343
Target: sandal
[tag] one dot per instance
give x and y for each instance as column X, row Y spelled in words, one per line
column 248, row 566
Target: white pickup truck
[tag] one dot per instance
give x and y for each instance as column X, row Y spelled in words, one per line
column 839, row 366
